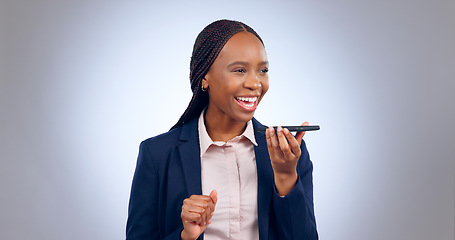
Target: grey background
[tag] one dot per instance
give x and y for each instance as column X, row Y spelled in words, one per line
column 83, row 82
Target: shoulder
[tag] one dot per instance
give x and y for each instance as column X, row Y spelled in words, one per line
column 167, row 138
column 157, row 150
column 173, row 137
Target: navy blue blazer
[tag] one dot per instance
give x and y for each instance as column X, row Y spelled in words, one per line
column 168, row 170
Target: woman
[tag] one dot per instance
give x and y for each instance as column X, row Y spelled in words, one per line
column 213, row 176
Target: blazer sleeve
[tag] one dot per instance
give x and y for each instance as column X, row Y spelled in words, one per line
column 294, row 213
column 143, row 217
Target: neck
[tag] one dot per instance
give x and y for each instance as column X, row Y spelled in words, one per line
column 223, row 129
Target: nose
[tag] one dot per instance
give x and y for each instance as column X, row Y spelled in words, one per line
column 253, row 82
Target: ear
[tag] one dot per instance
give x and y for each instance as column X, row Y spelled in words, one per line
column 205, row 83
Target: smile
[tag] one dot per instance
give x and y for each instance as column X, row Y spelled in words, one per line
column 248, row 103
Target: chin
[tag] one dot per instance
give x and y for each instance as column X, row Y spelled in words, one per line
column 245, row 117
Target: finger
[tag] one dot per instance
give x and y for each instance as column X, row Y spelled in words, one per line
column 284, row 146
column 299, row 135
column 214, row 196
column 204, row 202
column 274, row 141
column 205, row 208
column 268, row 136
column 202, row 215
column 200, row 202
column 199, row 206
column 200, row 197
column 193, row 209
column 204, row 218
column 191, row 217
column 210, row 210
column 208, row 213
column 293, row 143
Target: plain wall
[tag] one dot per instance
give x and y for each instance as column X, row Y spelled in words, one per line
column 84, row 82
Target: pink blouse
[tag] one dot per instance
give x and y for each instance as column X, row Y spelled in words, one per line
column 230, row 169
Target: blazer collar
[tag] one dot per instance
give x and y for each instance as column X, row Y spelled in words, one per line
column 190, row 156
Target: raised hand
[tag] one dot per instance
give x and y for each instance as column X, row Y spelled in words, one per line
column 197, row 212
column 284, row 151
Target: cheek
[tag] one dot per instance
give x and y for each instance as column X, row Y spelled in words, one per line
column 228, row 84
column 221, row 89
column 265, row 86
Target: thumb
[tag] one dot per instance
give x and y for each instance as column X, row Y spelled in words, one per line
column 299, row 135
column 214, row 196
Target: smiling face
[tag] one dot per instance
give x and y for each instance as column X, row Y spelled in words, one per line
column 237, row 80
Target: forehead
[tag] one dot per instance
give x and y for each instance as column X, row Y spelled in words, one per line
column 243, row 46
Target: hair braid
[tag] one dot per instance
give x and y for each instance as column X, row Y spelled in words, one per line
column 208, row 45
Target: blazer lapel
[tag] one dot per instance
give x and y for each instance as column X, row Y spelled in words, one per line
column 190, row 156
column 265, row 181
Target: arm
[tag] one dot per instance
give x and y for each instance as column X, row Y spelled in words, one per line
column 293, row 198
column 143, row 220
column 295, row 212
column 149, row 204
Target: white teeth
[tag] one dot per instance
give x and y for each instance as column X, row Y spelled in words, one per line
column 246, row 99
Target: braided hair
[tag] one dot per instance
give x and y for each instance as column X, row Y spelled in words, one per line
column 208, row 45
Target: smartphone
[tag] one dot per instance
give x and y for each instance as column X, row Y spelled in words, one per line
column 294, row 128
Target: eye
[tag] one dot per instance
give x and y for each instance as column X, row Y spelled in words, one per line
column 240, row 70
column 265, row 70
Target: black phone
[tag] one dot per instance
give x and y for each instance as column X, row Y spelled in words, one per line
column 294, row 128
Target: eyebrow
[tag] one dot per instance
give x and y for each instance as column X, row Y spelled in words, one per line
column 246, row 63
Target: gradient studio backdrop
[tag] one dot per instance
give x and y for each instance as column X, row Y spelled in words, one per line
column 83, row 82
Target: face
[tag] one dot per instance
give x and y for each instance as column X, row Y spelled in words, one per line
column 238, row 79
